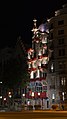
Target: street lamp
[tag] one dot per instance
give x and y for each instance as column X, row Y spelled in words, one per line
column 4, row 99
column 9, row 94
column 0, row 97
column 23, row 98
column 32, row 94
column 23, row 95
column 1, row 92
column 39, row 96
column 10, row 98
column 33, row 99
column 63, row 95
column 1, row 100
column 38, row 93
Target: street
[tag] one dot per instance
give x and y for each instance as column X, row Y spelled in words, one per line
column 34, row 115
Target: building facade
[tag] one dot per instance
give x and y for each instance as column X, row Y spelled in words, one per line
column 57, row 69
column 36, row 91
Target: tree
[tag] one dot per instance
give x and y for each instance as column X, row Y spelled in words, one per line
column 15, row 72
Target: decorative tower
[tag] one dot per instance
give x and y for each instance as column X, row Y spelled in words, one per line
column 38, row 58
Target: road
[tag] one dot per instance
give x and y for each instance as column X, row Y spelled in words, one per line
column 34, row 115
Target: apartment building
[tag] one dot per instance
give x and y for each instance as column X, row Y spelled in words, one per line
column 57, row 68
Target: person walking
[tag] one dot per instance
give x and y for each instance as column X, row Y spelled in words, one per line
column 62, row 107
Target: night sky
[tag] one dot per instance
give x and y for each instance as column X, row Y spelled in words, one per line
column 16, row 18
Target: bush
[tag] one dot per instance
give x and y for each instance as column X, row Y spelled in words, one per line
column 30, row 107
column 23, row 107
column 54, row 107
column 37, row 107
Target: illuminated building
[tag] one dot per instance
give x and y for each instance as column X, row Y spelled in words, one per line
column 57, row 76
column 38, row 58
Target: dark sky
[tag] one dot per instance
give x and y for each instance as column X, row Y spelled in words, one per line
column 16, row 18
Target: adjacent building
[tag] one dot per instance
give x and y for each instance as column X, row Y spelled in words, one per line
column 57, row 68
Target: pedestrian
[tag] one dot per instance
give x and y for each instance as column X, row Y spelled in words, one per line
column 62, row 107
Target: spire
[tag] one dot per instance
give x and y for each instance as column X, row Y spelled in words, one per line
column 34, row 30
column 34, row 23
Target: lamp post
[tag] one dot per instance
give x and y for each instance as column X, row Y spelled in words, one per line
column 25, row 106
column 4, row 99
column 1, row 100
column 33, row 99
column 10, row 100
column 23, row 98
column 39, row 96
column 1, row 96
column 42, row 103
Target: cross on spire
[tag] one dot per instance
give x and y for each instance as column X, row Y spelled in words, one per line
column 34, row 30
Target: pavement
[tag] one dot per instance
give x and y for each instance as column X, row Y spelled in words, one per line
column 36, row 114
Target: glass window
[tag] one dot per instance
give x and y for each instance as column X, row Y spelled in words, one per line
column 53, row 96
column 62, row 65
column 63, row 95
column 60, row 32
column 62, row 52
column 34, row 64
column 63, row 81
column 51, row 26
column 61, row 41
column 44, row 88
column 32, row 75
column 51, row 36
column 37, row 74
column 52, row 67
column 29, row 65
column 61, row 22
column 38, row 87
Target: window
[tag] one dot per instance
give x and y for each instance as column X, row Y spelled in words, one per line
column 62, row 65
column 61, row 41
column 60, row 32
column 39, row 88
column 51, row 26
column 63, row 95
column 29, row 55
column 63, row 81
column 34, row 64
column 32, row 75
column 44, row 88
column 40, row 52
column 29, row 65
column 51, row 36
column 52, row 67
column 53, row 97
column 44, row 40
column 52, row 55
column 44, row 74
column 37, row 74
column 41, row 74
column 61, row 22
column 62, row 52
